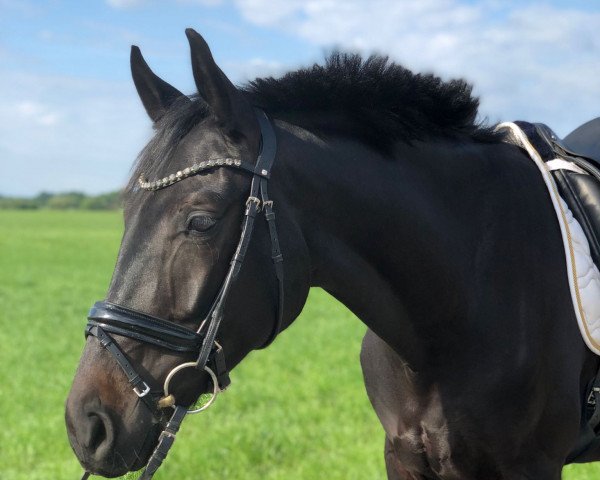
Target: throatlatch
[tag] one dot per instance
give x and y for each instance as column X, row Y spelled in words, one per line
column 107, row 318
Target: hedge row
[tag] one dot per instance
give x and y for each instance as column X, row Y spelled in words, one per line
column 64, row 201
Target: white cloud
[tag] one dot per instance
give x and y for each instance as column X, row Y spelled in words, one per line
column 241, row 72
column 125, row 3
column 24, row 7
column 37, row 113
column 205, row 3
column 46, row 35
column 527, row 61
column 267, row 13
column 76, row 134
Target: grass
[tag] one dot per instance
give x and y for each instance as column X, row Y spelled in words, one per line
column 297, row 410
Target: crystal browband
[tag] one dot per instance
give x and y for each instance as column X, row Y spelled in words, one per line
column 198, row 167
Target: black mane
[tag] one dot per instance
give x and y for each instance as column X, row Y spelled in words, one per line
column 371, row 100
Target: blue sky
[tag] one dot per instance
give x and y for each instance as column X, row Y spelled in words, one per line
column 70, row 118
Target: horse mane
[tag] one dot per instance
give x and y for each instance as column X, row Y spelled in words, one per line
column 372, row 100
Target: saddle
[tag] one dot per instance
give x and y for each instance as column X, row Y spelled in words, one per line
column 575, row 166
column 574, row 163
column 585, row 140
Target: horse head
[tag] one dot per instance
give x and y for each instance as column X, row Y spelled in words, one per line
column 175, row 268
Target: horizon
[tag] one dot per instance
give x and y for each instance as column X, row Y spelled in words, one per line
column 70, row 114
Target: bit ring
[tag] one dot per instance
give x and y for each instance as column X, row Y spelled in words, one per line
column 213, row 378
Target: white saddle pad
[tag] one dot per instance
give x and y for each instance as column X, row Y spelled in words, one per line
column 584, row 277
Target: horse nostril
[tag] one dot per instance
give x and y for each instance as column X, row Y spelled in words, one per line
column 97, row 433
column 98, row 437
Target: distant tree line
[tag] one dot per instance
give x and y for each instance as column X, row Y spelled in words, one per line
column 64, row 201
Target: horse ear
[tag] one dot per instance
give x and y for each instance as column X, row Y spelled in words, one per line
column 156, row 94
column 223, row 97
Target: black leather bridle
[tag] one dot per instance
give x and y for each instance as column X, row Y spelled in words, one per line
column 107, row 318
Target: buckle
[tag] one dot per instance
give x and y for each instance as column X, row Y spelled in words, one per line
column 592, row 397
column 253, row 201
column 144, row 392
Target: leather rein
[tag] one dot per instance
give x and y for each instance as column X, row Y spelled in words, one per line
column 107, row 318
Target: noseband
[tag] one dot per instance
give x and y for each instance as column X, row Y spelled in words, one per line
column 107, row 318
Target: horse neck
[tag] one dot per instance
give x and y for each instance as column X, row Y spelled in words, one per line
column 377, row 231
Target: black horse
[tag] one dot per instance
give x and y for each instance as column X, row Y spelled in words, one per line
column 438, row 235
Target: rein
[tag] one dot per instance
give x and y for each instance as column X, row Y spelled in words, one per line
column 107, row 318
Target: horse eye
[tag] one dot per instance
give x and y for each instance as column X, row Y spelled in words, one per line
column 201, row 223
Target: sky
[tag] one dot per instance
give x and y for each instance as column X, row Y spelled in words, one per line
column 70, row 118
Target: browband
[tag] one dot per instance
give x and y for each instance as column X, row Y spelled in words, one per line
column 199, row 167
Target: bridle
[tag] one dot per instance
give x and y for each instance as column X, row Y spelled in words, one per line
column 107, row 318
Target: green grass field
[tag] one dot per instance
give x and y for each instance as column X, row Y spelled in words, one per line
column 297, row 410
